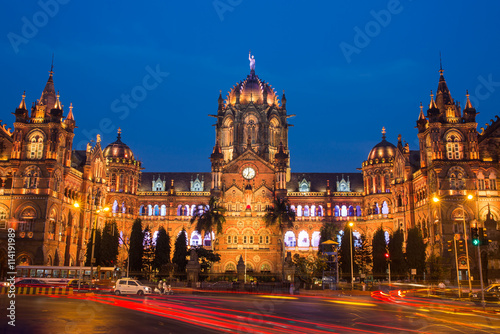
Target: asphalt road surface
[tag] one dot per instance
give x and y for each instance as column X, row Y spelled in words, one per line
column 243, row 313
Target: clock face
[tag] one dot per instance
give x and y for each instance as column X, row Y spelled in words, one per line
column 248, row 173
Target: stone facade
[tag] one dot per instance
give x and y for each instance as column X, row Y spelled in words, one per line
column 42, row 178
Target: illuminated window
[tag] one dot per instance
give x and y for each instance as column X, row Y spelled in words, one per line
column 453, row 148
column 385, row 208
column 36, row 146
column 31, row 177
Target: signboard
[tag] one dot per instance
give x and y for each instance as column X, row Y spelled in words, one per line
column 414, row 271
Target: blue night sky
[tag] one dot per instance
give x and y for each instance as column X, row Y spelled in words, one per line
column 348, row 68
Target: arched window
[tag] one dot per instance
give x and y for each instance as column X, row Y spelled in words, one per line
column 344, row 211
column 142, row 211
column 31, row 177
column 319, row 211
column 150, row 210
column 313, row 210
column 195, row 239
column 124, row 208
column 290, row 239
column 387, row 237
column 306, row 211
column 299, row 210
column 336, row 211
column 315, row 239
column 187, row 211
column 351, row 211
column 36, row 146
column 292, row 207
column 303, row 239
column 114, row 208
column 376, row 209
column 157, row 210
column 265, row 268
column 385, row 208
column 357, row 239
column 230, row 267
column 163, row 211
column 453, row 147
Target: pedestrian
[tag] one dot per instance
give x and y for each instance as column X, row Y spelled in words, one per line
column 164, row 287
column 160, row 286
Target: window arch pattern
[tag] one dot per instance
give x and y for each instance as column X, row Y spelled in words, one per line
column 36, row 141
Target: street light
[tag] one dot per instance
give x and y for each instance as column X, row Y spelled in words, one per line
column 389, row 263
column 351, row 224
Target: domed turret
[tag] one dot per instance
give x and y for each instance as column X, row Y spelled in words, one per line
column 118, row 149
column 383, row 150
column 254, row 90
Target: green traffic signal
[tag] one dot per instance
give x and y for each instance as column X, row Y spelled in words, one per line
column 475, row 242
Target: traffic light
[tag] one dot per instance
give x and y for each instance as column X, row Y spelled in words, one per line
column 461, row 246
column 483, row 237
column 386, row 256
column 450, row 245
column 475, row 236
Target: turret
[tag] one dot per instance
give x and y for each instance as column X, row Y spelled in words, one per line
column 469, row 111
column 21, row 111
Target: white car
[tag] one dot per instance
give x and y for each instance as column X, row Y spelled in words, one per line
column 131, row 286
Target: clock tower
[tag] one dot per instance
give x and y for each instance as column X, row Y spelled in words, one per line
column 250, row 166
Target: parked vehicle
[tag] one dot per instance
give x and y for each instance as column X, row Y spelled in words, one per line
column 131, row 286
column 82, row 286
column 31, row 282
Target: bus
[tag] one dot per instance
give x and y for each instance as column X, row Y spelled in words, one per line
column 102, row 274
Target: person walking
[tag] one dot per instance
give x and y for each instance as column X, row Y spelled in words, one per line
column 165, row 287
column 160, row 286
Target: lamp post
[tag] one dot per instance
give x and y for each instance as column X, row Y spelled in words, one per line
column 469, row 197
column 351, row 224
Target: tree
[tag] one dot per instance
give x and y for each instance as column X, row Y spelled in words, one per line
column 136, row 248
column 327, row 232
column 436, row 268
column 209, row 219
column 363, row 256
column 148, row 254
column 397, row 257
column 180, row 252
column 415, row 250
column 346, row 244
column 109, row 244
column 307, row 268
column 379, row 248
column 281, row 215
column 162, row 250
column 207, row 257
column 97, row 249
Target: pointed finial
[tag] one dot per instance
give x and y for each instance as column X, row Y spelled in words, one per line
column 383, row 133
column 58, row 103
column 468, row 104
column 119, row 133
column 70, row 114
column 22, row 105
column 52, row 65
column 421, row 115
column 440, row 64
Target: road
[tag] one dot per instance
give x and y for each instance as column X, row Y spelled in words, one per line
column 244, row 313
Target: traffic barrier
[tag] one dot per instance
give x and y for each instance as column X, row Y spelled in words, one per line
column 40, row 291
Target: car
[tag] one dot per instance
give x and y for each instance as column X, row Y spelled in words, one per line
column 131, row 286
column 222, row 285
column 491, row 293
column 32, row 282
column 82, row 285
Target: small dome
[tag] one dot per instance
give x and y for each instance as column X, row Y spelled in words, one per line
column 118, row 149
column 252, row 90
column 382, row 150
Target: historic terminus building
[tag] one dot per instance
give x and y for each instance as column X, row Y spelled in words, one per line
column 42, row 177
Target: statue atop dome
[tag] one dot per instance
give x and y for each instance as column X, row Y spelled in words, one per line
column 252, row 61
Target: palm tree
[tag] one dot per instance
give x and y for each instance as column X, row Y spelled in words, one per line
column 209, row 218
column 280, row 214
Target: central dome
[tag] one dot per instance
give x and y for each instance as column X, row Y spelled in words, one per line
column 118, row 149
column 252, row 89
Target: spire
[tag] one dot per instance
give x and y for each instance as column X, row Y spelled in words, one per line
column 22, row 105
column 58, row 103
column 383, row 133
column 119, row 135
column 283, row 100
column 468, row 105
column 48, row 97
column 432, row 104
column 220, row 100
column 70, row 114
column 443, row 95
column 421, row 116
